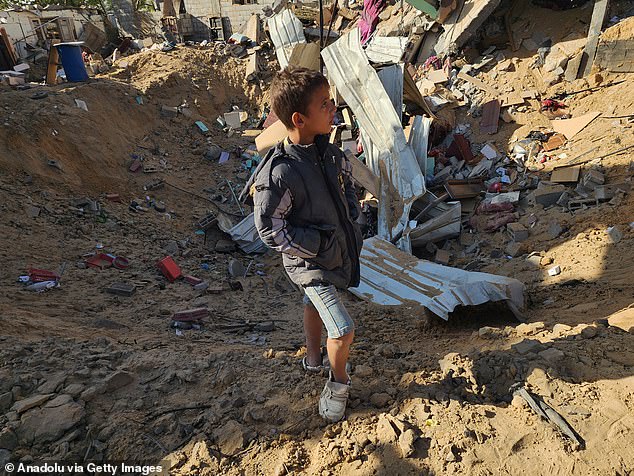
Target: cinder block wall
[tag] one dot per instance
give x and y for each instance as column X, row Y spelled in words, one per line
column 238, row 15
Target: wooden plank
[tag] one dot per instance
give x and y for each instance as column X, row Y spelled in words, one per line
column 53, row 58
column 270, row 137
column 479, row 84
column 363, row 175
column 511, row 99
column 598, row 17
column 490, row 117
column 572, row 68
column 571, row 127
column 566, row 174
column 9, row 47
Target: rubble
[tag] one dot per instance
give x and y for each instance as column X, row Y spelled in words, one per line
column 422, row 131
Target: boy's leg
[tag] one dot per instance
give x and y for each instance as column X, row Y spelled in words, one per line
column 312, row 330
column 338, row 351
column 339, row 325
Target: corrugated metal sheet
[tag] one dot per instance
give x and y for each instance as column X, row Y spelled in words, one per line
column 286, row 31
column 245, row 234
column 418, row 140
column 392, row 277
column 386, row 49
column 392, row 81
column 445, row 222
column 361, row 88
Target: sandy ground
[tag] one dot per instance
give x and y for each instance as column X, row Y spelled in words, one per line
column 90, row 376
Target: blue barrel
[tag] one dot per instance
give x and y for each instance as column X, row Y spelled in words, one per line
column 72, row 61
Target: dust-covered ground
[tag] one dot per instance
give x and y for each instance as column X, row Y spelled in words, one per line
column 90, row 376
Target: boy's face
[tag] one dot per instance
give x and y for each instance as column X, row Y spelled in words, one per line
column 319, row 114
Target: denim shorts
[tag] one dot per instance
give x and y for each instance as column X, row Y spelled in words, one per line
column 326, row 300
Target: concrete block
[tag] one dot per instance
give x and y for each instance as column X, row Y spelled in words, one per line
column 614, row 234
column 514, row 249
column 607, row 192
column 548, row 195
column 442, row 257
column 517, row 231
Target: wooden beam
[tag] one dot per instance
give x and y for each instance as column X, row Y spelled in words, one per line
column 598, row 17
column 53, row 58
column 479, row 84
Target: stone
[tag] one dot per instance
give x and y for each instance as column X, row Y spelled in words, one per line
column 528, row 345
column 52, row 384
column 442, row 257
column 74, row 389
column 58, row 401
column 406, row 443
column 117, row 380
column 35, row 401
column 380, row 400
column 449, row 362
column 363, row 371
column 169, row 111
column 267, row 326
column 8, row 439
column 230, row 437
column 554, row 230
column 89, row 394
column 489, row 332
column 528, row 328
column 614, row 234
column 213, row 152
column 517, row 231
column 44, row 425
column 385, row 431
column 6, row 399
column 545, row 261
column 5, row 457
column 518, row 402
column 624, row 320
column 547, row 195
column 552, row 355
column 225, row 246
column 171, row 248
column 514, row 249
column 589, row 332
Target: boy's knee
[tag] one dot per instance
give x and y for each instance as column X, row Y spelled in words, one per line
column 345, row 338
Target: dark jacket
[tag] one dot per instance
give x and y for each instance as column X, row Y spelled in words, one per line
column 305, row 206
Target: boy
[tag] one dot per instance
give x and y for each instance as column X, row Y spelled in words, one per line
column 305, row 207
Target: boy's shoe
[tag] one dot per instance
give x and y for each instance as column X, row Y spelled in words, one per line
column 334, row 396
column 325, row 364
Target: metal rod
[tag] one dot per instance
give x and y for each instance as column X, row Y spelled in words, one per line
column 235, row 198
column 335, row 10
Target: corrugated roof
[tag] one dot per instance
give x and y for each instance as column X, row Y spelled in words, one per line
column 361, row 88
column 392, row 277
column 386, row 49
column 286, row 31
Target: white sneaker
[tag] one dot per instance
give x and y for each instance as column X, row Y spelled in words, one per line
column 334, row 396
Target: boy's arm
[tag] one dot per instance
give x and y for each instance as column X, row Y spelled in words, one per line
column 272, row 204
column 350, row 189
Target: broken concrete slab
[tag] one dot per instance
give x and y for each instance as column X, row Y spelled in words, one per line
column 547, row 195
column 463, row 24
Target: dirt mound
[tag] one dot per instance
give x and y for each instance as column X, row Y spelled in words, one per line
column 114, row 381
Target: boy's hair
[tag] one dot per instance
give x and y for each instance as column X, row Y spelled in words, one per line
column 291, row 91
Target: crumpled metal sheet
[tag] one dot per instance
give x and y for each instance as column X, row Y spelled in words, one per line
column 386, row 49
column 286, row 31
column 445, row 222
column 244, row 234
column 418, row 140
column 361, row 88
column 393, row 277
